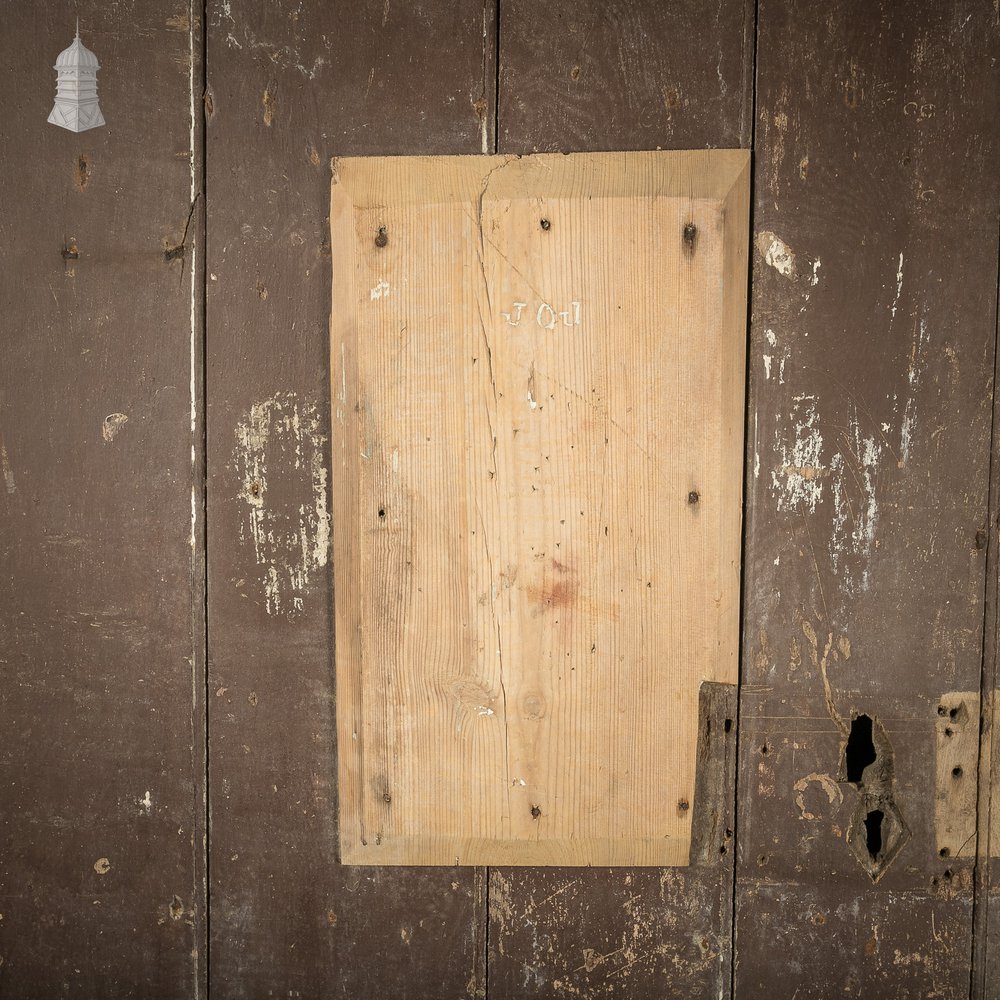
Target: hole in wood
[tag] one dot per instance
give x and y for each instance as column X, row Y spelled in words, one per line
column 546, row 225
column 873, row 832
column 860, row 749
column 381, row 239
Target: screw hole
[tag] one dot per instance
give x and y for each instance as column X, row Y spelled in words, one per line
column 381, row 239
column 546, row 225
column 728, row 725
column 535, row 812
column 381, row 513
column 944, row 852
column 956, row 772
column 693, row 497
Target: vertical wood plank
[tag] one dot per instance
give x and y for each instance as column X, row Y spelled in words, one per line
column 873, row 332
column 101, row 667
column 621, row 76
column 986, row 928
column 290, row 86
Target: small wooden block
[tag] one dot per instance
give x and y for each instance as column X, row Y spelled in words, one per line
column 537, row 372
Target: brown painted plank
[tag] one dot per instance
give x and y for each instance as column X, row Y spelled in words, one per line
column 289, row 89
column 100, row 582
column 625, row 74
column 986, row 945
column 605, row 76
column 874, row 294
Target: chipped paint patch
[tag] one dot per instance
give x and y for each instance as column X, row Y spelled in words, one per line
column 113, row 423
column 797, row 478
column 283, row 511
column 8, row 472
column 776, row 253
column 825, row 783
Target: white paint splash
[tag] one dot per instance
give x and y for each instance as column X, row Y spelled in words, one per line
column 777, row 354
column 853, row 478
column 899, row 287
column 281, row 440
column 145, row 804
column 797, row 478
column 913, row 376
column 380, row 291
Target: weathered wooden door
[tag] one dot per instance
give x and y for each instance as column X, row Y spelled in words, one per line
column 165, row 622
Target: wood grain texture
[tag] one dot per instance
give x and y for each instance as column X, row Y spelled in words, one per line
column 871, row 369
column 289, row 87
column 531, row 948
column 101, row 671
column 537, row 367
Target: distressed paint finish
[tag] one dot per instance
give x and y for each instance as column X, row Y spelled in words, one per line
column 619, row 76
column 290, row 86
column 871, row 376
column 101, row 877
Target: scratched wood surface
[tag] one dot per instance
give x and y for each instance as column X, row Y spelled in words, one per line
column 537, row 500
column 101, row 830
column 290, row 86
column 621, row 76
column 871, row 368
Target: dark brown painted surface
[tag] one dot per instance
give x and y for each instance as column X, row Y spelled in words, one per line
column 871, row 371
column 606, row 76
column 100, row 587
column 290, row 87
